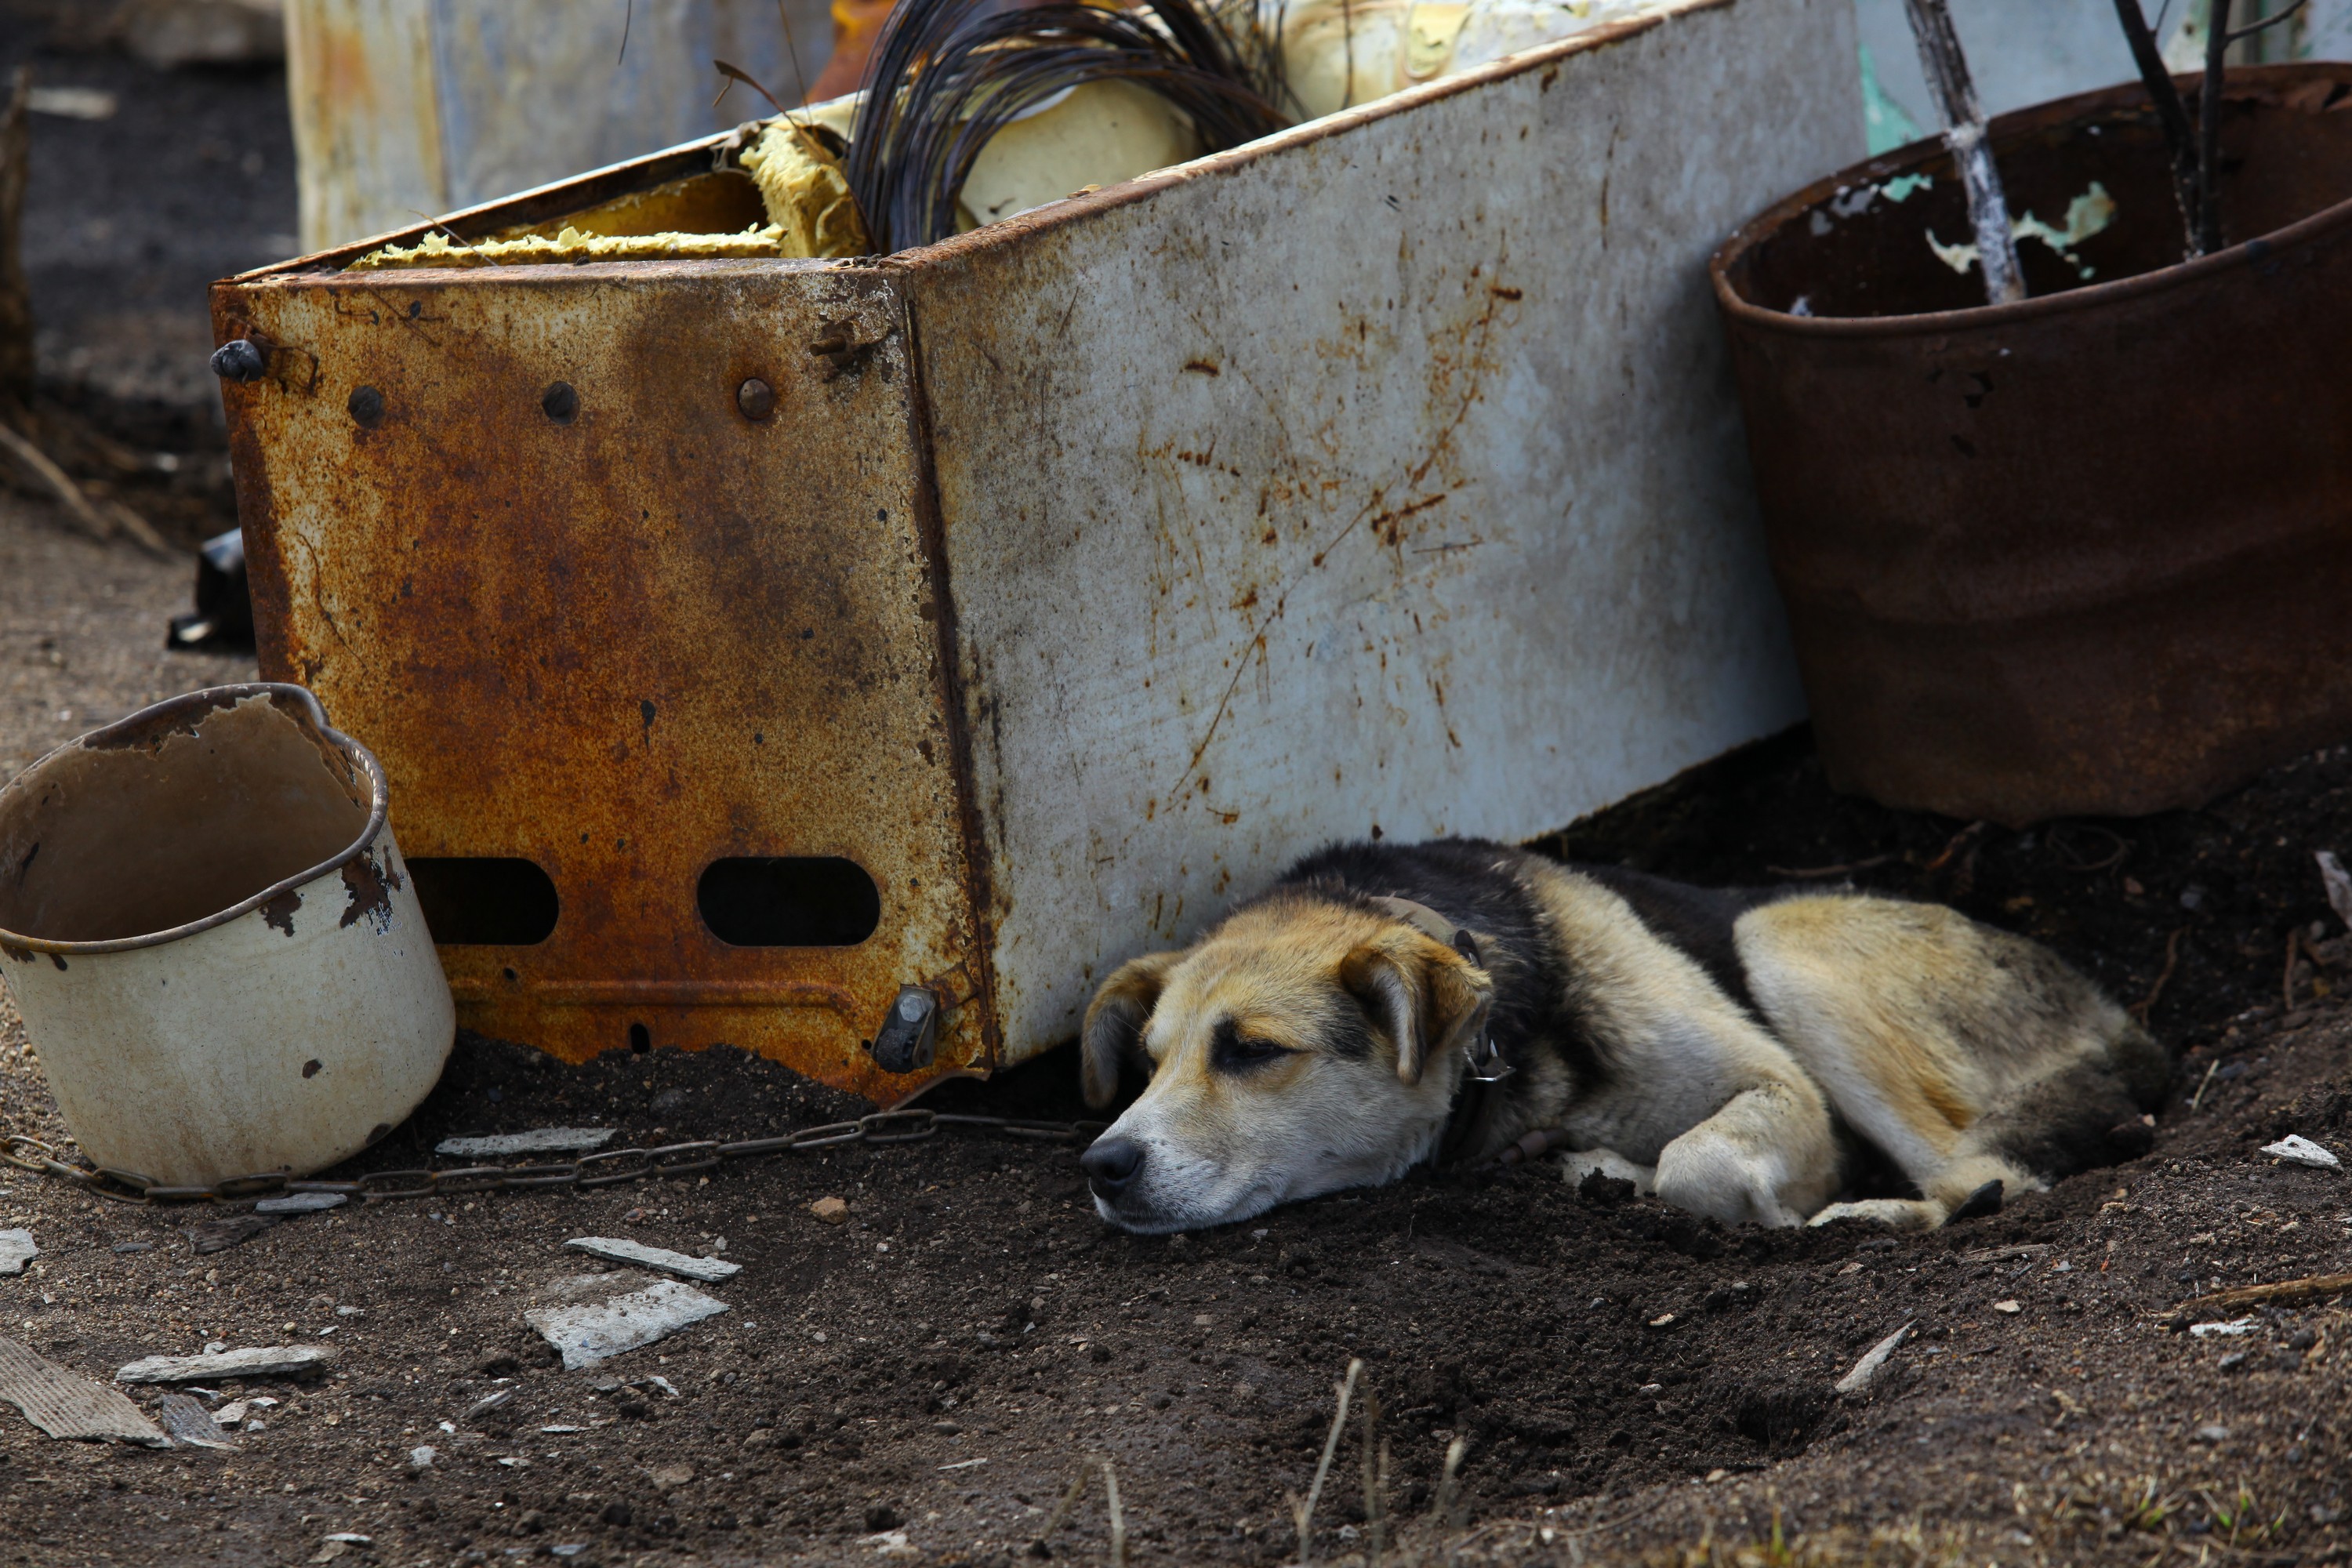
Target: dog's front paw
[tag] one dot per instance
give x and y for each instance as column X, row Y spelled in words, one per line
column 1892, row 1214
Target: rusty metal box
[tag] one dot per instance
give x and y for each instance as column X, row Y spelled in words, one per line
column 1382, row 477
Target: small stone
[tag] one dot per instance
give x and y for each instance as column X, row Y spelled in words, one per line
column 667, row 1101
column 832, row 1211
column 670, row 1477
column 420, row 1459
column 16, row 1250
column 1714, row 1476
column 2011, row 1308
column 1664, row 1321
column 2212, row 1434
column 2295, row 1149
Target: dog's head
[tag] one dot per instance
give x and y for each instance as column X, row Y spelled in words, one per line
column 1306, row 1044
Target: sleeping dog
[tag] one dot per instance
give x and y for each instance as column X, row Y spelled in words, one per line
column 1749, row 1055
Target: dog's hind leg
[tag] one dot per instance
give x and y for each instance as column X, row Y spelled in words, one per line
column 2083, row 1116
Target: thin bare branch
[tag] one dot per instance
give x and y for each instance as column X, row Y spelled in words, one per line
column 1303, row 1513
column 1118, row 1519
column 1945, row 67
column 2267, row 23
column 2171, row 114
column 2208, row 128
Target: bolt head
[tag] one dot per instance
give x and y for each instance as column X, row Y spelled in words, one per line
column 365, row 406
column 240, row 360
column 755, row 398
column 561, row 402
column 911, row 1007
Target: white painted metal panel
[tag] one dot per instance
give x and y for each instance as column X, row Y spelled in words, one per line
column 1384, row 476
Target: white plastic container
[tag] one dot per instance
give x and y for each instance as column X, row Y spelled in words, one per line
column 215, row 945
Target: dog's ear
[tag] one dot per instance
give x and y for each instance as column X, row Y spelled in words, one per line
column 1426, row 997
column 1115, row 1021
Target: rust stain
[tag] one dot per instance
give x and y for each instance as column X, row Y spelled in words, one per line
column 368, row 895
column 279, row 913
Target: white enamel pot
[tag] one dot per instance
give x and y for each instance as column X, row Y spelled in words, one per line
column 216, row 948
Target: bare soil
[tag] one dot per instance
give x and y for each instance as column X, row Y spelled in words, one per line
column 126, row 220
column 926, row 1379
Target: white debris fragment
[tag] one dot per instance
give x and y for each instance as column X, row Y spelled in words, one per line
column 596, row 1329
column 301, row 1203
column 1866, row 1370
column 2339, row 885
column 188, row 1424
column 617, row 1249
column 16, row 1250
column 271, row 1361
column 2231, row 1330
column 420, row 1458
column 2302, row 1151
column 503, row 1397
column 65, row 1405
column 539, row 1140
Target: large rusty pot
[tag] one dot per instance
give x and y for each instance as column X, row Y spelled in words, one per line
column 2090, row 554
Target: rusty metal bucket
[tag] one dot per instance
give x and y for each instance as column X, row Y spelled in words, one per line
column 218, row 951
column 2091, row 554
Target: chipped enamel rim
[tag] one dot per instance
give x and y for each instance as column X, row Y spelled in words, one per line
column 2005, row 130
column 194, row 704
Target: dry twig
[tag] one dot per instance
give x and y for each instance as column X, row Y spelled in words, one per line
column 1302, row 1514
column 2147, row 1004
column 2283, row 1293
column 1118, row 1519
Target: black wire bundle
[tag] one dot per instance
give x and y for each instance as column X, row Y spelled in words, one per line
column 948, row 75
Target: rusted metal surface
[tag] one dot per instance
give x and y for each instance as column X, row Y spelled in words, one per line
column 2087, row 554
column 1383, row 476
column 515, row 528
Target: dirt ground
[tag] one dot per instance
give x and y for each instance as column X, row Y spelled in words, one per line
column 923, row 1381
column 926, row 1379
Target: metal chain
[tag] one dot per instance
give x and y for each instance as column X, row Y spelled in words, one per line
column 606, row 1169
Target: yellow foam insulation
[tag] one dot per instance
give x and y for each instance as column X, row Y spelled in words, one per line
column 438, row 250
column 810, row 216
column 806, row 192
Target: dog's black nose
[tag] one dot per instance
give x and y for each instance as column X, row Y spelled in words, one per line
column 1111, row 1165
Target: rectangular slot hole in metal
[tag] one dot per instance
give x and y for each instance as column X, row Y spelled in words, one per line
column 788, row 901
column 485, row 902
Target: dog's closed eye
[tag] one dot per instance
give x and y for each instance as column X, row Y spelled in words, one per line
column 1229, row 1050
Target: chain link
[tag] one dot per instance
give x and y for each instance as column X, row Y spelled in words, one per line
column 608, row 1168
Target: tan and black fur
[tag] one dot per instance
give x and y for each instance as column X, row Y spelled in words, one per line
column 1751, row 1056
